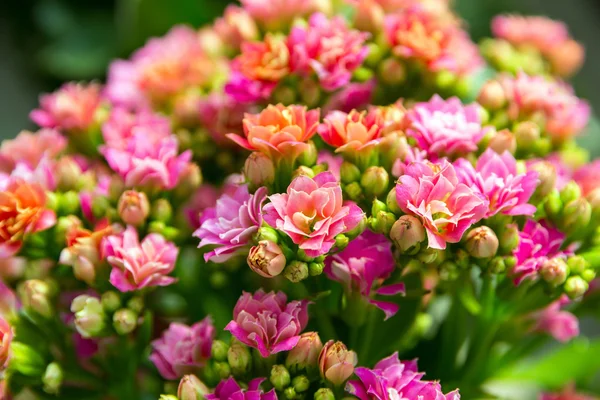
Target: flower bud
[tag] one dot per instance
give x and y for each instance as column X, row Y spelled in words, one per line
column 324, row 394
column 190, row 180
column 502, row 141
column 566, row 58
column 222, row 369
column 36, row 295
column 111, row 301
column 191, row 388
column 124, row 321
column 576, row 215
column 492, row 95
column 306, row 353
column 375, row 181
column 336, row 362
column 310, row 92
column 259, row 170
column 303, row 170
column 341, row 241
column 266, row 259
column 527, row 134
column 68, row 203
column 353, row 191
column 219, row 350
column 383, row 222
column 509, row 238
column 392, row 71
column 300, row 384
column 428, row 255
column 133, row 207
column 26, row 360
column 555, row 271
column 315, row 268
column 553, row 205
column 588, row 275
column 309, row 156
column 280, row 377
column 575, row 287
column 407, row 232
column 570, row 192
column 392, row 203
column 290, row 393
column 267, row 233
column 593, row 198
column 162, row 211
column 377, row 206
column 52, row 379
column 296, row 271
column 167, row 397
column 546, row 175
column 90, row 319
column 482, row 242
column 369, row 16
column 136, row 304
column 577, row 264
column 349, row 173
column 497, row 265
column 238, row 357
column 68, row 174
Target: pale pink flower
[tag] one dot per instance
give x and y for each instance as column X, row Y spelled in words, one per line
column 540, row 32
column 138, row 265
column 277, row 14
column 183, row 349
column 328, row 48
column 221, row 114
column 267, row 322
column 446, row 207
column 560, row 324
column 123, row 125
column 588, row 177
column 6, row 336
column 353, row 132
column 31, row 148
column 312, row 213
column 229, row 389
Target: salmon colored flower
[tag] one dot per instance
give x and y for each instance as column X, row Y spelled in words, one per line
column 31, row 149
column 353, row 132
column 277, row 14
column 235, row 27
column 588, row 177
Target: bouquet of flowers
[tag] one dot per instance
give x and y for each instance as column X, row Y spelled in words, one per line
column 297, row 203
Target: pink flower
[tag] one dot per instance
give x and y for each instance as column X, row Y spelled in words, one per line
column 568, row 393
column 352, row 96
column 540, row 32
column 363, row 266
column 138, row 265
column 229, row 389
column 445, row 127
column 123, row 126
column 446, row 207
column 231, row 223
column 538, row 242
column 328, row 48
column 312, row 213
column 183, row 349
column 277, row 14
column 392, row 379
column 31, row 149
column 205, row 197
column 72, row 107
column 6, row 336
column 9, row 303
column 562, row 325
column 334, row 163
column 235, row 27
column 588, row 177
column 353, row 132
column 279, row 131
column 247, row 91
column 496, row 177
column 221, row 114
column 267, row 322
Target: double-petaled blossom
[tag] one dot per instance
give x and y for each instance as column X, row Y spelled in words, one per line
column 235, row 27
column 229, row 389
column 277, row 14
column 31, row 149
column 279, row 131
column 353, row 132
column 204, row 198
column 445, row 127
column 123, row 125
column 267, row 322
column 496, row 177
column 560, row 324
column 312, row 213
column 6, row 336
column 22, row 211
column 355, row 95
column 392, row 379
column 183, row 349
column 221, row 114
column 445, row 206
column 363, row 266
column 588, row 177
column 538, row 243
column 328, row 48
column 231, row 223
column 161, row 69
column 138, row 265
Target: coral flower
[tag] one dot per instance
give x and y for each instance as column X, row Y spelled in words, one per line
column 353, row 132
column 229, row 389
column 31, row 148
column 267, row 322
column 6, row 336
column 312, row 213
column 588, row 177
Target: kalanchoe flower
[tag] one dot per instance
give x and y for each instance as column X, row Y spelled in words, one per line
column 538, row 242
column 588, row 177
column 183, row 349
column 363, row 267
column 279, row 131
column 446, row 207
column 205, row 197
column 31, row 149
column 230, row 389
column 306, row 353
column 445, row 127
column 336, row 362
column 133, row 207
column 353, row 132
column 267, row 322
column 6, row 335
column 277, row 14
column 562, row 325
column 393, row 379
column 352, row 96
column 138, row 265
column 221, row 114
column 328, row 48
column 312, row 213
column 266, row 259
column 496, row 177
column 231, row 223
column 235, row 27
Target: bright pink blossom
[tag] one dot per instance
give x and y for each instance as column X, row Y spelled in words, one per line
column 355, row 95
column 496, row 177
column 6, row 336
column 445, row 127
column 312, row 213
column 31, row 148
column 392, row 379
column 588, row 177
column 267, row 322
column 540, row 32
column 353, row 132
column 363, row 266
column 123, row 126
column 72, row 107
column 231, row 223
column 446, row 207
column 229, row 389
column 561, row 324
column 183, row 349
column 328, row 48
column 138, row 265
column 277, row 14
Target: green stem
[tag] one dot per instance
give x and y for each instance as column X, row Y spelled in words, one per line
column 367, row 338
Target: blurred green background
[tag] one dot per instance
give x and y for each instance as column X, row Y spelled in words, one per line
column 45, row 42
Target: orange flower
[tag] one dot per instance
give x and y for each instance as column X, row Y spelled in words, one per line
column 268, row 60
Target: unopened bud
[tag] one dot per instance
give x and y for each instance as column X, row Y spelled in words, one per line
column 290, row 393
column 268, row 234
column 303, row 170
column 570, row 192
column 448, row 271
column 527, row 134
column 509, row 238
column 553, row 205
column 383, row 222
column 26, row 360
column 576, row 215
column 353, row 191
column 593, row 198
column 192, row 388
column 492, row 95
column 190, row 180
column 222, row 369
column 310, row 92
column 428, row 255
column 219, row 350
column 296, row 271
column 482, row 242
column 124, row 321
column 546, row 175
column 575, row 287
column 341, row 241
column 68, row 174
column 133, row 207
column 90, row 319
column 497, row 265
column 378, row 206
column 68, row 203
column 111, row 301
column 238, row 357
column 407, row 232
column 392, row 203
column 259, row 170
column 392, row 71
column 369, row 16
column 315, row 268
column 324, row 394
column 336, row 362
column 136, row 304
column 502, row 141
column 555, row 271
column 349, row 173
column 577, row 264
column 309, row 156
column 300, row 383
column 280, row 377
column 306, row 353
column 566, row 58
column 375, row 181
column 53, row 378
column 588, row 275
column 36, row 295
column 162, row 211
column 266, row 259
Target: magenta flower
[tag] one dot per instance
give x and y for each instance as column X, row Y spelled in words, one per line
column 245, row 90
column 183, row 349
column 328, row 48
column 446, row 207
column 538, row 242
column 560, row 324
column 363, row 266
column 445, row 127
column 392, row 379
column 229, row 389
column 352, row 96
column 231, row 223
column 496, row 177
column 312, row 213
column 266, row 322
column 138, row 265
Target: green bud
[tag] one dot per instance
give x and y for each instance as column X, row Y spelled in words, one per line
column 26, row 360
column 303, row 170
column 52, row 201
column 161, row 211
column 428, row 255
column 124, row 321
column 392, row 203
column 302, row 256
column 90, row 319
column 167, row 397
column 280, row 377
column 497, row 265
column 219, row 350
column 392, row 71
column 301, row 383
column 527, row 134
column 445, row 79
column 341, row 241
column 349, row 173
column 358, row 229
column 223, row 369
column 111, row 301
column 324, row 394
column 588, row 275
column 289, row 393
column 317, row 169
column 378, row 205
column 509, row 238
column 191, row 388
column 52, row 378
column 383, row 222
column 362, row 74
column 36, row 296
column 296, row 271
column 170, row 233
column 100, row 206
column 462, row 259
column 267, row 233
column 375, row 181
column 575, row 287
column 353, row 191
column 156, row 227
column 448, row 271
column 570, row 192
column 577, row 264
column 553, row 204
column 510, row 262
column 554, row 271
column 285, row 95
column 68, row 203
column 309, row 156
column 576, row 215
column 315, row 269
column 239, row 357
column 136, row 304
